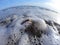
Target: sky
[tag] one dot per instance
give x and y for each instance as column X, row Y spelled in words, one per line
column 52, row 4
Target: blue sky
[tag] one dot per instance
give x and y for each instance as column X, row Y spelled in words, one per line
column 53, row 4
column 10, row 3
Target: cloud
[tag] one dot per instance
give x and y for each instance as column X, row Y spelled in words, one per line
column 51, row 4
column 55, row 4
